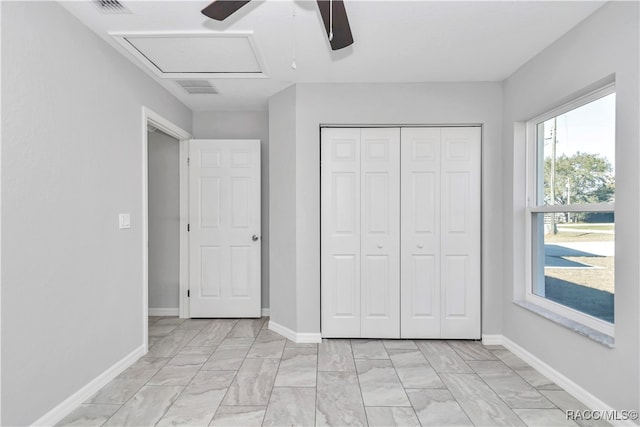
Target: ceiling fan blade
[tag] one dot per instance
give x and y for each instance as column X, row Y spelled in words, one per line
column 222, row 9
column 342, row 36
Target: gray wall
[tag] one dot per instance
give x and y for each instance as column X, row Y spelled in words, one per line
column 604, row 44
column 71, row 161
column 244, row 125
column 282, row 208
column 164, row 220
column 302, row 111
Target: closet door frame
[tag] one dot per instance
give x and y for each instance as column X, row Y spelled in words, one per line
column 446, row 318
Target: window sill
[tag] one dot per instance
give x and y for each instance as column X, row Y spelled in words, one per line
column 592, row 334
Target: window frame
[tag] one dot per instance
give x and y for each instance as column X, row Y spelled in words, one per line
column 533, row 209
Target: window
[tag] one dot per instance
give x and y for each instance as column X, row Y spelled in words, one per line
column 571, row 214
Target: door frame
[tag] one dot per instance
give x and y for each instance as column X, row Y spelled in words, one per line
column 150, row 117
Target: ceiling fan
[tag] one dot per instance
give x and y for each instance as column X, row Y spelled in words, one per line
column 333, row 15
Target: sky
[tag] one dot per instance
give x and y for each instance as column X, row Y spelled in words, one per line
column 588, row 129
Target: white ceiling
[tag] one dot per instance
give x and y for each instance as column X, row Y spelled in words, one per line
column 395, row 41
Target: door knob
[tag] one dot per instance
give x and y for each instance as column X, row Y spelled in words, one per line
column 419, row 245
column 254, row 238
column 379, row 246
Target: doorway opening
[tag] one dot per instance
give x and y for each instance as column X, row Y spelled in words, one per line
column 164, row 222
column 162, row 126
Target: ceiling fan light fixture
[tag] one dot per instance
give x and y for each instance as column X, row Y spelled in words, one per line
column 339, row 37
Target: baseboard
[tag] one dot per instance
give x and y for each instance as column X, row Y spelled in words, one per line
column 584, row 396
column 265, row 312
column 492, row 339
column 164, row 311
column 311, row 338
column 294, row 336
column 282, row 330
column 72, row 402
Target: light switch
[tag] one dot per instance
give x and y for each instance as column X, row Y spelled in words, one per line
column 124, row 220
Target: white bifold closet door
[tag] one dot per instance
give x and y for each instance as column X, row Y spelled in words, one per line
column 400, row 232
column 360, row 220
column 440, row 286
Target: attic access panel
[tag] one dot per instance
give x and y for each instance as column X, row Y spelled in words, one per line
column 212, row 55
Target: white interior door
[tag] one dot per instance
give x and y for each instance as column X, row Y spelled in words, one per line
column 420, row 251
column 224, row 237
column 340, row 237
column 380, row 232
column 460, row 232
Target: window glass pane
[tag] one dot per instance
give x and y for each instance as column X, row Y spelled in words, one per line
column 577, row 156
column 578, row 261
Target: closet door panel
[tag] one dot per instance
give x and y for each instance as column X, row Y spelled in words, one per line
column 420, row 231
column 460, row 239
column 340, row 236
column 380, row 227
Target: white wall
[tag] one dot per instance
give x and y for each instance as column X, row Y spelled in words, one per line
column 605, row 44
column 244, row 125
column 71, row 161
column 413, row 103
column 164, row 220
column 282, row 208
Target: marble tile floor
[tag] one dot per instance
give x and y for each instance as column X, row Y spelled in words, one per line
column 235, row 372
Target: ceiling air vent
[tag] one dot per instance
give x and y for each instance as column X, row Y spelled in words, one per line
column 110, row 6
column 197, row 87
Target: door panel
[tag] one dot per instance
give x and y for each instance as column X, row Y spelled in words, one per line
column 380, row 201
column 210, row 280
column 460, row 240
column 240, row 202
column 376, row 276
column 456, row 209
column 345, row 209
column 455, row 282
column 224, row 214
column 210, row 202
column 345, row 287
column 422, row 287
column 240, row 275
column 376, row 198
column 420, row 252
column 340, row 236
column 423, row 205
